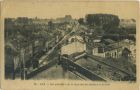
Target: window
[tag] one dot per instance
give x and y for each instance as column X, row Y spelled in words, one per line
column 100, row 49
column 107, row 55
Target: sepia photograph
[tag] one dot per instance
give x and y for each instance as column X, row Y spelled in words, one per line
column 90, row 41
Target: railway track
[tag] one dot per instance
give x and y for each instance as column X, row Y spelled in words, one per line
column 111, row 66
column 90, row 74
column 80, row 75
column 71, row 66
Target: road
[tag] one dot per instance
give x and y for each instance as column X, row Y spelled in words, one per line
column 44, row 57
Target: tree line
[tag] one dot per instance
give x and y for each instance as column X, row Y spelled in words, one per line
column 106, row 23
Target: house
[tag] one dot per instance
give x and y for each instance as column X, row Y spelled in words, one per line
column 126, row 52
column 75, row 45
column 75, row 38
column 17, row 52
column 66, row 19
column 107, row 41
column 129, row 44
column 107, row 51
column 11, row 60
column 50, row 44
column 114, row 50
column 98, row 50
column 97, row 39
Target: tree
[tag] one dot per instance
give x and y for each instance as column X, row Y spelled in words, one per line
column 101, row 19
column 22, row 20
column 81, row 21
column 50, row 25
column 89, row 19
column 9, row 27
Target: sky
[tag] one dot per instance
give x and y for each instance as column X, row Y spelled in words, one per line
column 77, row 9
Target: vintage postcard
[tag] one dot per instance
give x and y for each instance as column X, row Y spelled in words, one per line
column 73, row 44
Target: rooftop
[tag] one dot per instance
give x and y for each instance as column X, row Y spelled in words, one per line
column 109, row 41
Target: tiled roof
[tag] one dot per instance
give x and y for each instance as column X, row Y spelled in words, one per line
column 112, row 46
column 95, row 45
column 109, row 41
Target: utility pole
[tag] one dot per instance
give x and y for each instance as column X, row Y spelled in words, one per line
column 23, row 72
column 20, row 58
